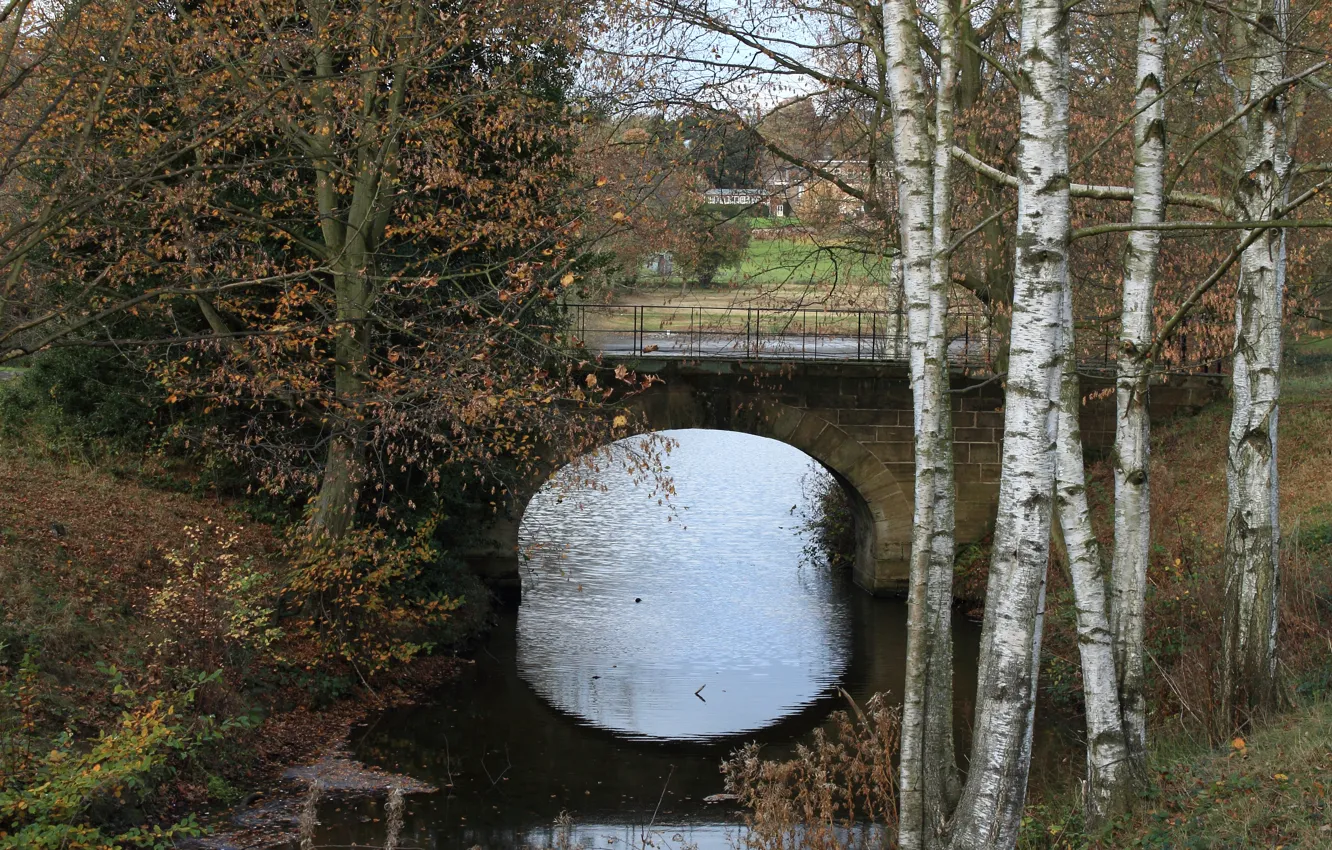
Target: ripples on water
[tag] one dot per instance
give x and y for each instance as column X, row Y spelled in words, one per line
column 725, row 604
column 582, row 704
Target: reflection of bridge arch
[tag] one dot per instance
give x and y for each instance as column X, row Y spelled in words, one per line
column 856, row 420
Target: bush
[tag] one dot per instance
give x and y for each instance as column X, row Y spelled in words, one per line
column 366, row 598
column 71, row 793
column 81, row 396
column 840, row 791
column 829, row 525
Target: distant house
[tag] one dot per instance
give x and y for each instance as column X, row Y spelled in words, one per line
column 793, row 186
column 736, row 197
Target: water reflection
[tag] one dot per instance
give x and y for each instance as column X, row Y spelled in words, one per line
column 687, row 620
column 526, row 736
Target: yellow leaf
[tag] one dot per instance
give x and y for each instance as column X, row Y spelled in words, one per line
column 619, row 422
column 567, row 280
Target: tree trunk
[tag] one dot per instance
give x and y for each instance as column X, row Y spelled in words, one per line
column 928, row 778
column 1132, row 463
column 935, row 425
column 1108, row 778
column 335, row 505
column 990, row 811
column 1252, row 570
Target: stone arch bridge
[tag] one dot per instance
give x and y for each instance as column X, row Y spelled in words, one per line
column 855, row 418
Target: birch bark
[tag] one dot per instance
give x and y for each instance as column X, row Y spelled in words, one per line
column 1252, row 571
column 928, row 779
column 1132, row 426
column 989, row 813
column 1107, row 758
column 935, row 426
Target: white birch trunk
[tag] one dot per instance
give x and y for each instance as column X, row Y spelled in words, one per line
column 1252, row 570
column 989, row 813
column 1132, row 434
column 1107, row 780
column 928, row 779
column 936, row 426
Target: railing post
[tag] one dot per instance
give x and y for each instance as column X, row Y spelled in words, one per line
column 966, row 340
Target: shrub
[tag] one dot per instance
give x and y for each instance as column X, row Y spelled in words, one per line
column 72, row 793
column 216, row 607
column 840, row 790
column 828, row 524
column 362, row 597
column 82, row 396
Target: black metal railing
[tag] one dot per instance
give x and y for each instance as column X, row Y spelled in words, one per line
column 776, row 333
column 799, row 333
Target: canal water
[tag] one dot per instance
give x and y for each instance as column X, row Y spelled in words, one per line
column 663, row 623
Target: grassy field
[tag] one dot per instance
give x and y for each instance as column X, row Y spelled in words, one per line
column 789, row 261
column 1269, row 789
column 780, row 272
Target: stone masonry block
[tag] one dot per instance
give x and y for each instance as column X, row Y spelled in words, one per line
column 896, row 434
column 866, row 417
column 780, row 421
column 864, row 434
column 836, row 449
column 893, row 452
column 981, row 452
column 808, row 431
column 973, row 435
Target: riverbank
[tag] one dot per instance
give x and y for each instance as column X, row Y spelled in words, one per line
column 146, row 682
column 1264, row 789
column 1268, row 786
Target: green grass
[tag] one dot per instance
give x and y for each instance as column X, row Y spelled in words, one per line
column 1267, row 790
column 793, row 261
column 779, row 261
column 759, row 222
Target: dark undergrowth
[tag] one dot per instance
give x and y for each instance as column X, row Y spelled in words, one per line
column 165, row 646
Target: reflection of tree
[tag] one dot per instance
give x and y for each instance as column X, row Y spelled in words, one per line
column 640, row 460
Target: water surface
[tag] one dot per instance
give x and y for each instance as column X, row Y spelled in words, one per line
column 689, row 619
column 610, row 715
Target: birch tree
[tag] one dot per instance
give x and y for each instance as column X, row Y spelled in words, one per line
column 1132, row 384
column 877, row 52
column 1252, row 544
column 928, row 787
column 990, row 811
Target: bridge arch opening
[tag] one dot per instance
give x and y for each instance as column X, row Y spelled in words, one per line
column 880, row 510
column 682, row 607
